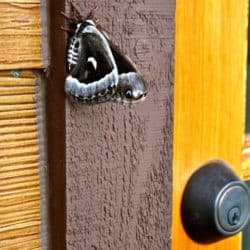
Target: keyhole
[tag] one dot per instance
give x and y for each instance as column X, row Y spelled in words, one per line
column 234, row 216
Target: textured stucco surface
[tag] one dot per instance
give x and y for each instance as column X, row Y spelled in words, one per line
column 118, row 158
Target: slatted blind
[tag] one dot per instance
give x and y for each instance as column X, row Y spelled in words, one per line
column 20, row 48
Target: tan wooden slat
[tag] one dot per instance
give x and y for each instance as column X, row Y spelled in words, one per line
column 22, row 74
column 17, row 129
column 23, row 216
column 18, row 180
column 16, row 121
column 16, row 189
column 18, row 160
column 16, row 173
column 33, row 209
column 12, row 82
column 18, row 114
column 16, row 107
column 16, row 137
column 22, row 229
column 18, row 151
column 18, row 166
column 209, row 110
column 31, row 244
column 11, row 144
column 14, row 90
column 32, row 205
column 20, row 36
column 20, row 185
column 19, row 225
column 5, row 244
column 22, row 99
column 20, row 198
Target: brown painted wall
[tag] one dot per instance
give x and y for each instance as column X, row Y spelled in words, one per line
column 118, row 158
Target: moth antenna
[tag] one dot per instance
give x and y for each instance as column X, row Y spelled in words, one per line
column 73, row 6
column 78, row 17
column 67, row 29
column 91, row 14
column 67, row 16
column 72, row 20
column 95, row 8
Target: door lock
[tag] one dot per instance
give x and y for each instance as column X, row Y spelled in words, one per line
column 215, row 203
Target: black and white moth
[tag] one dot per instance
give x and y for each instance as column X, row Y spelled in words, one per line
column 97, row 69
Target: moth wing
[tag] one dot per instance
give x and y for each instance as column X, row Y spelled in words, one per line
column 131, row 85
column 94, row 62
column 123, row 62
column 94, row 77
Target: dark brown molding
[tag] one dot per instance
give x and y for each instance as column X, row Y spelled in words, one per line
column 56, row 127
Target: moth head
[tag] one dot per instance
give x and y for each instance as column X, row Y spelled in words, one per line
column 89, row 22
column 82, row 25
column 131, row 91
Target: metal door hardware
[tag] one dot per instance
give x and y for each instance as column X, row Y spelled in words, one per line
column 215, row 203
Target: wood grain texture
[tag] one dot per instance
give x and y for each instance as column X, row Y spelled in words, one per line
column 19, row 168
column 246, row 159
column 119, row 157
column 20, row 35
column 210, row 79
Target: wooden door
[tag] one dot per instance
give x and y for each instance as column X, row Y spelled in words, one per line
column 209, row 110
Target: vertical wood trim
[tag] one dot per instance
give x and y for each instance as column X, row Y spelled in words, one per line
column 209, row 109
column 56, row 127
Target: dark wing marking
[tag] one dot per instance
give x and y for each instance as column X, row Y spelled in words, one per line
column 131, row 86
column 123, row 62
column 92, row 47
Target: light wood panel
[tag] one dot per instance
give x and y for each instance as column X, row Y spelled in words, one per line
column 209, row 112
column 19, row 173
column 20, row 34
